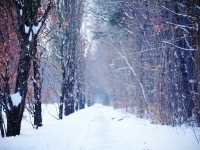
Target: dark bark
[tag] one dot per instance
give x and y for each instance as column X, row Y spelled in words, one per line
column 62, row 84
column 70, row 50
column 37, row 92
column 2, row 125
column 61, row 107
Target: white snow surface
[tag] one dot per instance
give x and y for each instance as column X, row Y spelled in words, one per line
column 21, row 11
column 99, row 128
column 30, row 36
column 16, row 98
column 36, row 28
column 26, row 28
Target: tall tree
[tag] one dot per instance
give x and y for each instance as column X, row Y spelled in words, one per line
column 67, row 44
column 28, row 18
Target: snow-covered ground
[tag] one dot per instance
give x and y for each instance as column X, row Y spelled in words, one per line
column 100, row 128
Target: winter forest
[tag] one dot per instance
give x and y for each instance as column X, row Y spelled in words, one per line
column 139, row 56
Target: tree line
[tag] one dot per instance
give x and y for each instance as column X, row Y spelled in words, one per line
column 41, row 59
column 153, row 57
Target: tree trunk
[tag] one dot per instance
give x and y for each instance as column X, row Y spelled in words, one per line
column 37, row 90
column 1, row 118
column 61, row 108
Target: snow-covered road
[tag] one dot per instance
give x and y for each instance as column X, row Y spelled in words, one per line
column 100, row 128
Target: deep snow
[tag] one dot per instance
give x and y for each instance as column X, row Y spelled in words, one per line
column 99, row 128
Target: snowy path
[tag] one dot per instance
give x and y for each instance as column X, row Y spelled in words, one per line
column 100, row 128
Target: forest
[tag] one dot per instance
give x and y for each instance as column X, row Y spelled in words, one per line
column 139, row 55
